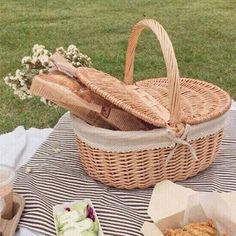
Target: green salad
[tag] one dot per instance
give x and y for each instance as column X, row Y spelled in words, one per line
column 77, row 220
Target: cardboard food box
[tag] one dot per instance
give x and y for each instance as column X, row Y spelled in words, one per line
column 173, row 206
column 76, row 210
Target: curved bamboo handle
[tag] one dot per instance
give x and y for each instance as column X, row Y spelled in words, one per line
column 170, row 61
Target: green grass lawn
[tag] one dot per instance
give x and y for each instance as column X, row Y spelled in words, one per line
column 203, row 33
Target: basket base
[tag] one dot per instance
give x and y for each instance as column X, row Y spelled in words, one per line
column 144, row 169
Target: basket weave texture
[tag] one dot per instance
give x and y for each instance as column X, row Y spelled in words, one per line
column 172, row 102
column 145, row 168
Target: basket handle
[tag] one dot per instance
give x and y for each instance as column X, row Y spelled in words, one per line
column 170, row 61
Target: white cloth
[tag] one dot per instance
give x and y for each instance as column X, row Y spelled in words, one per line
column 26, row 232
column 17, row 148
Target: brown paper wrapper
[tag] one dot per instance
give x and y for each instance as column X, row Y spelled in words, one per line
column 68, row 93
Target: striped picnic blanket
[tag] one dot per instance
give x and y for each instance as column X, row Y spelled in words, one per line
column 57, row 176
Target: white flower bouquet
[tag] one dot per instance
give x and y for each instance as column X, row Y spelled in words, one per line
column 39, row 63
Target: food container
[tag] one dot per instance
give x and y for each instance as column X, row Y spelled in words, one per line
column 7, row 176
column 173, row 206
column 8, row 226
column 76, row 218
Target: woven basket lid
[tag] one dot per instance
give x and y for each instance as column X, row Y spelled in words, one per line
column 128, row 97
column 172, row 100
column 200, row 101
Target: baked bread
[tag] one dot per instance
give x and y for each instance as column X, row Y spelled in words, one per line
column 68, row 93
column 77, row 88
column 206, row 228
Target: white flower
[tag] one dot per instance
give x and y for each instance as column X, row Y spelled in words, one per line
column 34, row 59
column 75, row 57
column 22, row 97
column 27, row 66
column 45, row 70
column 43, row 100
column 36, row 54
column 37, row 47
column 18, row 72
column 16, row 92
column 43, row 59
column 39, row 63
column 11, row 78
column 22, row 82
column 14, row 86
column 6, row 79
column 42, row 51
column 60, row 49
column 72, row 48
column 24, row 88
column 26, row 60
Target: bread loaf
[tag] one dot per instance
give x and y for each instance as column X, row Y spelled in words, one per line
column 68, row 93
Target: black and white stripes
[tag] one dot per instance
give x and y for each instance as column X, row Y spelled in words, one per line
column 57, row 176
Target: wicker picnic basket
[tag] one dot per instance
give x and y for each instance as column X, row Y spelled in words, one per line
column 189, row 115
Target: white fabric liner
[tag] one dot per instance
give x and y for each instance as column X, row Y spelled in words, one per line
column 127, row 141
